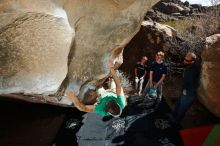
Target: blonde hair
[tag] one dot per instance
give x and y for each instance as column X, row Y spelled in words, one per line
column 144, row 57
column 193, row 55
column 160, row 53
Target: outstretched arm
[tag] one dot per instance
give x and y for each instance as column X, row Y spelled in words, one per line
column 119, row 90
column 151, row 78
column 78, row 104
column 115, row 78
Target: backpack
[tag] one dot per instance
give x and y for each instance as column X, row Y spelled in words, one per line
column 153, row 93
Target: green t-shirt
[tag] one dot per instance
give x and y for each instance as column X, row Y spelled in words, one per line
column 100, row 105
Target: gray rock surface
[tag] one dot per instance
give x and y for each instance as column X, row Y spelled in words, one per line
column 43, row 40
column 33, row 51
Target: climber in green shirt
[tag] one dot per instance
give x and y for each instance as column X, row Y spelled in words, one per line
column 109, row 102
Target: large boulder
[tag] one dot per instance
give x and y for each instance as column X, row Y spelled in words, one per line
column 168, row 7
column 43, row 40
column 159, row 16
column 210, row 82
column 34, row 46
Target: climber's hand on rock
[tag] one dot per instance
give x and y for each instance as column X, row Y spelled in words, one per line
column 71, row 95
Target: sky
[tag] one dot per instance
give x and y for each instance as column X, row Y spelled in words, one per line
column 203, row 2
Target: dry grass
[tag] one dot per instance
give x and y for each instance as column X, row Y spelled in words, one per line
column 193, row 32
column 182, row 25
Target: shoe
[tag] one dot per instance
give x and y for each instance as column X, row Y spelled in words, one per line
column 139, row 93
column 160, row 97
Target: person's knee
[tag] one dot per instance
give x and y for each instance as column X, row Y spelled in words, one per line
column 136, row 80
column 141, row 81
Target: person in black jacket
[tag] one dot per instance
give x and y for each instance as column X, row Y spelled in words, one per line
column 189, row 86
column 140, row 72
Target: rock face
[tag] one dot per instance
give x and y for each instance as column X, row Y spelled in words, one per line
column 29, row 62
column 169, row 8
column 43, row 40
column 103, row 28
column 210, row 82
column 34, row 46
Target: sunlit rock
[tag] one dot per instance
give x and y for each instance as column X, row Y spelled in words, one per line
column 43, row 40
column 208, row 91
column 34, row 47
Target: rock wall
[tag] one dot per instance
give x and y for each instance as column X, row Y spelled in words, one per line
column 103, row 28
column 41, row 40
column 34, row 45
column 210, row 75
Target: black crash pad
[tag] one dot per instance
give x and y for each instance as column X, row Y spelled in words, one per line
column 143, row 122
